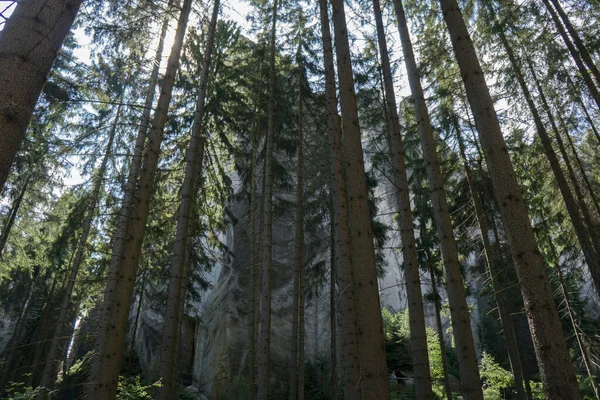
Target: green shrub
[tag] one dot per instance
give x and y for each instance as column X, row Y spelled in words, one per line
column 586, row 388
column 17, row 391
column 238, row 389
column 497, row 380
column 132, row 389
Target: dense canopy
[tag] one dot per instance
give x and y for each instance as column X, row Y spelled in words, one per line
column 284, row 199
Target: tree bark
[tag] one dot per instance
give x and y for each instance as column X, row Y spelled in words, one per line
column 41, row 335
column 584, row 175
column 50, row 371
column 494, row 271
column 583, row 53
column 254, row 267
column 7, row 367
column 459, row 310
column 29, row 44
column 346, row 307
column 440, row 331
column 14, row 211
column 583, row 234
column 507, row 283
column 574, row 54
column 301, row 339
column 565, row 294
column 332, row 311
column 373, row 380
column 418, row 335
column 260, row 256
column 128, row 242
column 556, row 370
column 138, row 150
column 138, row 311
column 179, row 269
column 577, row 97
column 267, row 261
column 295, row 388
column 301, row 326
column 594, row 237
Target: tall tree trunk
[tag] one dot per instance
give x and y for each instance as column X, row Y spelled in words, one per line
column 583, row 173
column 373, row 380
column 581, row 49
column 260, row 256
column 67, row 339
column 577, row 97
column 332, row 311
column 301, row 324
column 299, row 247
column 14, row 211
column 50, row 370
column 459, row 310
column 294, row 338
column 574, row 54
column 254, row 266
column 439, row 328
column 138, row 312
column 494, row 272
column 507, row 282
column 418, row 335
column 589, row 120
column 301, row 336
column 7, row 367
column 592, row 229
column 556, row 369
column 346, row 307
column 41, row 336
column 265, row 311
column 567, row 301
column 178, row 281
column 138, row 151
column 30, row 42
column 522, row 357
column 583, row 234
column 128, row 240
column 137, row 158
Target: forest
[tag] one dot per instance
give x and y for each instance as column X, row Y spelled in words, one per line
column 291, row 199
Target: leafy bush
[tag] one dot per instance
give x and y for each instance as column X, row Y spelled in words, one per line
column 397, row 341
column 17, row 391
column 239, row 388
column 497, row 380
column 132, row 389
column 586, row 388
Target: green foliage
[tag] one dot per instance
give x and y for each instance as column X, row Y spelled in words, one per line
column 397, row 344
column 73, row 384
column 132, row 389
column 536, row 390
column 586, row 388
column 397, row 340
column 77, row 106
column 18, row 391
column 238, row 389
column 435, row 355
column 317, row 383
column 497, row 380
column 407, row 393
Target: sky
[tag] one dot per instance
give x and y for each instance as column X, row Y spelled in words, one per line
column 6, row 9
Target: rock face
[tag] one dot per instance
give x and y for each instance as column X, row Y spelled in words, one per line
column 215, row 348
column 7, row 326
column 392, row 289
